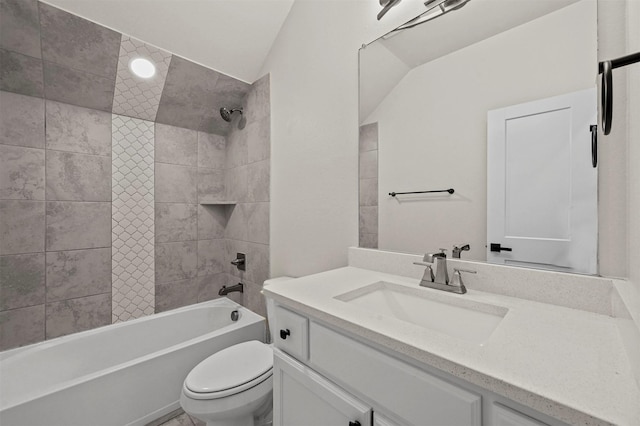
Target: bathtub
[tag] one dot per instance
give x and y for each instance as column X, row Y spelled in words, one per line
column 129, row 373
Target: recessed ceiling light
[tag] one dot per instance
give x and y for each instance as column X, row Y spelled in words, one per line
column 142, row 67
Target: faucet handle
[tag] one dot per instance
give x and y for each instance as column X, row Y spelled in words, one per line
column 456, row 279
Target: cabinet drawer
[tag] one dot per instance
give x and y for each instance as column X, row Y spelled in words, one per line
column 504, row 416
column 409, row 393
column 292, row 333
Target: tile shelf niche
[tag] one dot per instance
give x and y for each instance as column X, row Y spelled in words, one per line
column 218, row 203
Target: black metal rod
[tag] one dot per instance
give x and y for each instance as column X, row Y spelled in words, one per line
column 450, row 191
column 621, row 61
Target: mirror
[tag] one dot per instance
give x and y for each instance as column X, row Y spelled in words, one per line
column 427, row 96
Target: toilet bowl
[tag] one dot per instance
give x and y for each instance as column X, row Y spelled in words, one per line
column 234, row 386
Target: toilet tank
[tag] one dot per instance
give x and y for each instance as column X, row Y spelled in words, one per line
column 270, row 304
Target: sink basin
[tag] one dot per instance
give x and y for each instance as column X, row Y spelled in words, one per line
column 452, row 315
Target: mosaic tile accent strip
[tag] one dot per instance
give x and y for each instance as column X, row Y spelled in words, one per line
column 135, row 96
column 133, row 269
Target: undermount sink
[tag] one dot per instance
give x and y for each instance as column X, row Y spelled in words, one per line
column 452, row 315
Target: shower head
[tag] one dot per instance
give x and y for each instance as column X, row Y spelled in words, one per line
column 225, row 113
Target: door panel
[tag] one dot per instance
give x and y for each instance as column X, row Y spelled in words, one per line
column 541, row 185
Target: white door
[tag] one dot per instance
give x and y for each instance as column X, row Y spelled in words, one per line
column 541, row 185
column 301, row 397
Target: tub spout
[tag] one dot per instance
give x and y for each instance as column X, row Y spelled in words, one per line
column 226, row 290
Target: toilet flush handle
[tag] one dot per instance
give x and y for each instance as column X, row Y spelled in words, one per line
column 284, row 334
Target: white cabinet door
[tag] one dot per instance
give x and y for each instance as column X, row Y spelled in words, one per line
column 541, row 185
column 301, row 397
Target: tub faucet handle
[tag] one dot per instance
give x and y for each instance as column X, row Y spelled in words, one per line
column 240, row 261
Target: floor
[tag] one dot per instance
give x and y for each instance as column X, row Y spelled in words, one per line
column 183, row 419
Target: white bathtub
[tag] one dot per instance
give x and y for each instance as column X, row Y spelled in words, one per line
column 123, row 374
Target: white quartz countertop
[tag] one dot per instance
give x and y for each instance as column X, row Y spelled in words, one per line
column 567, row 363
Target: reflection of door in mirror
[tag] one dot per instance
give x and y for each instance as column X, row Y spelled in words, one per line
column 541, row 185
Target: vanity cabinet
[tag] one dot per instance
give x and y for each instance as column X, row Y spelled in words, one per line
column 324, row 377
column 303, row 397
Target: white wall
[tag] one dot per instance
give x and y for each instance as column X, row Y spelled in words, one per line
column 633, row 39
column 314, row 84
column 435, row 137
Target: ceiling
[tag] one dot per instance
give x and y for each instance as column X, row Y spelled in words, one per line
column 230, row 36
column 385, row 62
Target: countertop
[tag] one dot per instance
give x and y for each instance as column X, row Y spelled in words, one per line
column 567, row 363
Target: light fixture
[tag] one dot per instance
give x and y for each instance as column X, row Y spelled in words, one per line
column 435, row 9
column 142, row 67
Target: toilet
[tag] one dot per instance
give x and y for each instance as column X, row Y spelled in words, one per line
column 234, row 386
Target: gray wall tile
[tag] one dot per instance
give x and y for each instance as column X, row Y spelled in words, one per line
column 368, row 241
column 77, row 129
column 78, row 177
column 176, row 222
column 235, row 182
column 368, row 220
column 211, row 256
column 21, row 120
column 258, row 181
column 259, row 140
column 176, row 294
column 176, row 261
column 258, row 100
column 21, row 227
column 175, row 184
column 254, row 299
column 20, row 26
column 236, row 149
column 19, row 327
column 368, row 164
column 209, row 285
column 236, row 228
column 211, row 185
column 212, row 221
column 258, row 269
column 76, row 225
column 20, row 74
column 77, row 87
column 211, row 151
column 368, row 137
column 78, row 273
column 73, row 315
column 21, row 173
column 175, row 145
column 369, row 192
column 257, row 222
column 75, row 42
column 185, row 96
column 21, row 280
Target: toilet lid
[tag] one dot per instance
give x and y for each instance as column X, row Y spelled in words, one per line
column 234, row 367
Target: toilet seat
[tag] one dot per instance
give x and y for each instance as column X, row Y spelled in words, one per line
column 230, row 371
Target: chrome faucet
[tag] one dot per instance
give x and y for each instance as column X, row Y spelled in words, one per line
column 459, row 248
column 440, row 262
column 440, row 280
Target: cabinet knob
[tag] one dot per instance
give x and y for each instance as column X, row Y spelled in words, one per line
column 356, row 423
column 284, row 334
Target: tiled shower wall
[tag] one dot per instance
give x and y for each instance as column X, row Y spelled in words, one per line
column 368, row 188
column 60, row 214
column 247, row 181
